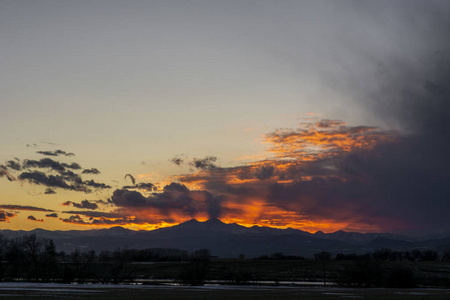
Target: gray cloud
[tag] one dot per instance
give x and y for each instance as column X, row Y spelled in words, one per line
column 177, row 160
column 13, row 165
column 55, row 153
column 32, row 218
column 206, row 163
column 53, row 215
column 65, row 179
column 175, row 196
column 142, row 186
column 91, row 171
column 96, row 214
column 5, row 173
column 44, row 163
column 58, row 181
column 68, row 180
column 73, row 166
column 96, row 185
column 49, row 191
column 85, row 204
column 23, row 207
column 74, row 220
column 99, row 220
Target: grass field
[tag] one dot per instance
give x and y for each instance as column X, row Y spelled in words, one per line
column 21, row 291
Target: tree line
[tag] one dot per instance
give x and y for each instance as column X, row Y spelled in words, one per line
column 29, row 258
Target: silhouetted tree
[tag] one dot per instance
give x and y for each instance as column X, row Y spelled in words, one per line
column 49, row 265
column 15, row 258
column 33, row 247
column 4, row 242
column 382, row 254
column 399, row 277
column 363, row 273
column 195, row 272
column 83, row 264
column 323, row 256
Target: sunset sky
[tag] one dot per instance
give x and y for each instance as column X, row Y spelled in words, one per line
column 316, row 115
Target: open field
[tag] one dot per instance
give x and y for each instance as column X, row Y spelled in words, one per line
column 428, row 273
column 20, row 291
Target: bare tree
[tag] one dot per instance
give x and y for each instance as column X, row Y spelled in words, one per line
column 3, row 249
column 33, row 248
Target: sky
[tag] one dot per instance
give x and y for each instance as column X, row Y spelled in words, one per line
column 315, row 115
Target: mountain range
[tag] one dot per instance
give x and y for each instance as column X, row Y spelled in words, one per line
column 231, row 240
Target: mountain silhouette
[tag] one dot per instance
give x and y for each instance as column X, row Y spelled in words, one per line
column 229, row 240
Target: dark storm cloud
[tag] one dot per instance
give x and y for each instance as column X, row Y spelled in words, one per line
column 392, row 181
column 91, row 171
column 264, row 172
column 53, row 215
column 410, row 177
column 24, row 207
column 175, row 197
column 55, row 153
column 206, row 163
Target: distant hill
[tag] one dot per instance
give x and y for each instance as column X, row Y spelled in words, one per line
column 230, row 240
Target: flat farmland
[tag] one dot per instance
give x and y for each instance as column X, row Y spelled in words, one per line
column 19, row 291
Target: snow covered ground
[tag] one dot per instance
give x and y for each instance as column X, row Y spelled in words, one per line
column 23, row 290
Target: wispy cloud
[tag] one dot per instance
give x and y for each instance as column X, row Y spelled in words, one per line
column 24, row 207
column 55, row 153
